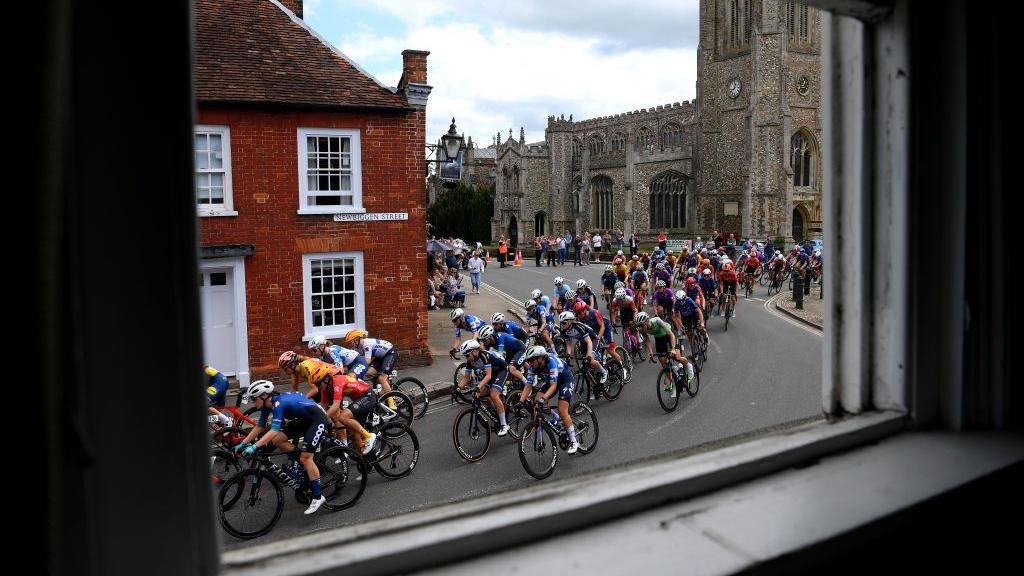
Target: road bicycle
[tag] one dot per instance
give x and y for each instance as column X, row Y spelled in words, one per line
column 251, row 501
column 727, row 307
column 633, row 343
column 397, row 448
column 672, row 379
column 587, row 383
column 545, row 433
column 415, row 390
column 473, row 426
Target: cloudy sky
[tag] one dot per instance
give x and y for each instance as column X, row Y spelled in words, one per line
column 501, row 65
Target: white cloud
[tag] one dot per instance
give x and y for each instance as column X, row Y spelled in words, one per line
column 492, row 79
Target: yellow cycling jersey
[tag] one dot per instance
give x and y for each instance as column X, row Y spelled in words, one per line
column 314, row 371
column 211, row 372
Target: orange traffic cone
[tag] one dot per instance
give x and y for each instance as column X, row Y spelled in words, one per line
column 487, row 256
column 519, row 258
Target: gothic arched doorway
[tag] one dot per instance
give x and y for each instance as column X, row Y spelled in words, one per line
column 798, row 225
column 538, row 224
column 513, row 231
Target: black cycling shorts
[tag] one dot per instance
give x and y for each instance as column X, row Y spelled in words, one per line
column 661, row 345
column 362, row 407
column 729, row 287
column 312, row 429
column 517, row 359
column 385, row 363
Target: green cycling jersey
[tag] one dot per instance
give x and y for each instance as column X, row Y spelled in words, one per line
column 659, row 328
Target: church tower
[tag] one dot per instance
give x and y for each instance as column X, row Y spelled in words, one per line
column 758, row 96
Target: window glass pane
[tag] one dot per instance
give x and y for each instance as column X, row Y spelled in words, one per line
column 329, row 318
column 202, row 160
column 218, row 279
column 349, row 300
column 326, row 200
column 217, row 195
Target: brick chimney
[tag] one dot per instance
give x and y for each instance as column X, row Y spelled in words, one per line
column 293, row 5
column 414, row 67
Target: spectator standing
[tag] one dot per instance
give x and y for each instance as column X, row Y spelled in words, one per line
column 552, row 247
column 476, row 267
column 502, row 251
column 662, row 240
column 537, row 249
column 596, row 243
column 634, row 244
column 586, row 249
column 577, row 245
column 562, row 253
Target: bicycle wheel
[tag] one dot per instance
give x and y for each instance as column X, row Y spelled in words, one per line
column 560, row 348
column 693, row 387
column 462, row 395
column 627, row 362
column 471, row 434
column 613, row 386
column 581, row 385
column 250, row 503
column 397, row 451
column 401, row 412
column 668, row 396
column 416, row 392
column 538, row 451
column 518, row 419
column 223, row 465
column 585, row 421
column 342, row 476
column 227, row 438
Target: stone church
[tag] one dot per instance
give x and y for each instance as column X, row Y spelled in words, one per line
column 743, row 157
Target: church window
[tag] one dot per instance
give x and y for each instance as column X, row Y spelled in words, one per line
column 668, row 201
column 602, row 188
column 596, row 145
column 672, row 136
column 618, row 142
column 802, row 160
column 577, row 149
column 798, row 23
column 645, row 140
column 740, row 22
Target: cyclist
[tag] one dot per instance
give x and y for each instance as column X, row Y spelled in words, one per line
column 608, row 280
column 216, row 393
column 462, row 321
column 575, row 331
column 559, row 294
column 624, row 306
column 348, row 360
column 541, row 299
column 503, row 325
column 708, row 286
column 592, row 317
column 302, row 413
column 495, row 372
column 687, row 315
column 664, row 343
column 620, row 268
column 380, row 354
column 622, row 285
column 640, row 287
column 332, row 392
column 511, row 347
column 728, row 279
column 660, row 273
column 583, row 292
column 671, row 260
column 543, row 319
column 692, row 289
column 549, row 374
column 750, row 271
column 316, row 372
column 662, row 299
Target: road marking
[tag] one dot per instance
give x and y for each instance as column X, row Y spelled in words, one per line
column 503, row 294
column 758, row 299
column 769, row 306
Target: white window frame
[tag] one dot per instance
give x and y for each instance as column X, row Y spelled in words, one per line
column 357, row 170
column 228, row 208
column 307, row 295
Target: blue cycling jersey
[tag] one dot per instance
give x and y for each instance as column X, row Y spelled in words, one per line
column 550, row 373
column 488, row 359
column 580, row 332
column 469, row 322
column 544, row 302
column 539, row 313
column 505, row 342
column 608, row 279
column 287, row 405
column 708, row 284
column 595, row 321
column 515, row 330
column 559, row 292
column 686, row 307
column 352, row 361
column 216, row 387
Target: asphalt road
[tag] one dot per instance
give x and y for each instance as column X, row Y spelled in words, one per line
column 764, row 372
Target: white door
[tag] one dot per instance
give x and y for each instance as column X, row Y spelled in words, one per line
column 217, row 294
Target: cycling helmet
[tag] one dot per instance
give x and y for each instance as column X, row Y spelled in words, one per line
column 727, row 266
column 535, row 352
column 817, row 252
column 608, row 268
column 641, row 319
column 681, row 294
column 635, row 257
column 659, row 284
column 566, row 317
column 707, row 271
column 691, row 271
column 317, row 341
column 354, row 335
column 580, row 283
column 570, row 295
column 529, row 304
column 619, row 253
column 660, row 266
column 620, row 292
column 468, row 346
column 536, row 294
column 287, row 359
column 580, row 307
column 257, row 389
column 484, row 332
column 691, row 281
column 497, row 317
column 457, row 313
column 559, row 280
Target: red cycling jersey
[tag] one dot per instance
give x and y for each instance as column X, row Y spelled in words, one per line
column 753, row 263
column 727, row 276
column 343, row 385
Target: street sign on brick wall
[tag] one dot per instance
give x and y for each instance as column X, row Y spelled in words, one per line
column 373, row 217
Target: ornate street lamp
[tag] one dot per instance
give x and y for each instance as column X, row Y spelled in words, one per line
column 452, row 143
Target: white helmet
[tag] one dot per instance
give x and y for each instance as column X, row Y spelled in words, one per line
column 608, row 268
column 257, row 389
column 570, row 295
column 660, row 266
column 497, row 317
column 566, row 317
column 659, row 284
column 468, row 346
column 641, row 318
column 620, row 292
column 317, row 341
column 535, row 352
column 681, row 294
column 536, row 294
column 619, row 253
column 485, row 331
column 707, row 271
column 457, row 313
column 580, row 283
column 619, row 284
column 559, row 280
column 691, row 271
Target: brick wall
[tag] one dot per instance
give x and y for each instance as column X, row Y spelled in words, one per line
column 264, row 155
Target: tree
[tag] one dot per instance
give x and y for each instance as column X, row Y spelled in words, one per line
column 463, row 212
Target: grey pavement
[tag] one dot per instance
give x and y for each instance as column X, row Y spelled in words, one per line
column 763, row 373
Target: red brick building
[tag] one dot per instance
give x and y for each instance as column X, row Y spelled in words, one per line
column 309, row 187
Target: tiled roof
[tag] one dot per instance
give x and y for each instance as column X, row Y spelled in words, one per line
column 255, row 51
